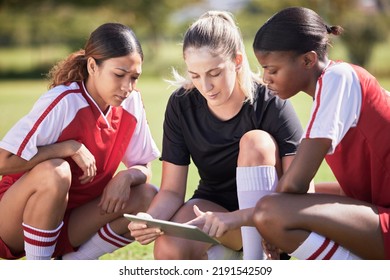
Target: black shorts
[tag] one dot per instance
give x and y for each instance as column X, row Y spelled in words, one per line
column 228, row 200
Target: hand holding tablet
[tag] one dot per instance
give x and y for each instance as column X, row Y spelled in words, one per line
column 175, row 229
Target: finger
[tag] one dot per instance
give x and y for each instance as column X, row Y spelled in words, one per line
column 199, row 221
column 197, row 211
column 149, row 238
column 147, row 241
column 93, row 170
column 134, row 227
column 220, row 231
column 141, row 235
column 84, row 176
column 85, row 180
column 214, row 228
column 207, row 227
column 119, row 206
column 111, row 207
column 104, row 206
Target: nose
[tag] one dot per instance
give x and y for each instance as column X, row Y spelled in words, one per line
column 127, row 86
column 266, row 78
column 206, row 85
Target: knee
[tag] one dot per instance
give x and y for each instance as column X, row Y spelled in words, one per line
column 168, row 248
column 145, row 196
column 257, row 147
column 166, row 251
column 54, row 177
column 140, row 198
column 149, row 193
column 264, row 214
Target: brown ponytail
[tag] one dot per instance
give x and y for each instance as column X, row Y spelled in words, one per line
column 71, row 69
column 107, row 41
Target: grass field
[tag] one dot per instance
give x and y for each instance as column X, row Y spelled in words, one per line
column 17, row 97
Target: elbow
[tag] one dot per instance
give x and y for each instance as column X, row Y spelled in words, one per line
column 148, row 173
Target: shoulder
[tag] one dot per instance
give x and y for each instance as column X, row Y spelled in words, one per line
column 340, row 70
column 134, row 104
column 341, row 77
column 69, row 96
column 184, row 98
column 64, row 90
column 264, row 98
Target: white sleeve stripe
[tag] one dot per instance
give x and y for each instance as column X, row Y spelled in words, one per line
column 42, row 117
column 317, row 106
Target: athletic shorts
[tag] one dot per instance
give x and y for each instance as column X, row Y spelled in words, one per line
column 384, row 217
column 228, row 200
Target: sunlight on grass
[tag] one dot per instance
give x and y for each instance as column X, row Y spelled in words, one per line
column 17, row 98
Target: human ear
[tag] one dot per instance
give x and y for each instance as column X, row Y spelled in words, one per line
column 91, row 65
column 310, row 59
column 238, row 61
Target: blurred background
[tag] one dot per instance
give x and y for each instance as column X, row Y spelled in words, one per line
column 35, row 34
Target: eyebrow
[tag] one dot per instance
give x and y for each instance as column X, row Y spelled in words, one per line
column 122, row 69
column 216, row 68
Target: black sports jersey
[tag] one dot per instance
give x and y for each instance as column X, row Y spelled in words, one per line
column 191, row 131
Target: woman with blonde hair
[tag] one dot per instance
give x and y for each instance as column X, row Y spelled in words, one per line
column 239, row 136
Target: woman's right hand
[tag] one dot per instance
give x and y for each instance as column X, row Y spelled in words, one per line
column 85, row 160
column 142, row 233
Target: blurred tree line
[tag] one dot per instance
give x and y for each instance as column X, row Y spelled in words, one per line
column 34, row 23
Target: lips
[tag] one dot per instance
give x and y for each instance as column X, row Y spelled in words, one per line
column 212, row 96
column 273, row 92
column 121, row 98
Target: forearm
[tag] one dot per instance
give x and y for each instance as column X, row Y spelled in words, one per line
column 10, row 163
column 138, row 174
column 243, row 217
column 165, row 205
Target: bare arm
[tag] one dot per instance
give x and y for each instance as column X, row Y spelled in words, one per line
column 172, row 191
column 10, row 163
column 231, row 220
column 305, row 165
column 164, row 205
column 116, row 193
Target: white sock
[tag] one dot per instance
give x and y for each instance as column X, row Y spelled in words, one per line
column 254, row 182
column 318, row 247
column 103, row 242
column 220, row 252
column 39, row 244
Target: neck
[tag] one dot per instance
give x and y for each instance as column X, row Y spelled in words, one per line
column 316, row 73
column 230, row 108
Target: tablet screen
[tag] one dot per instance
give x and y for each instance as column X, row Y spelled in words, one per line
column 175, row 229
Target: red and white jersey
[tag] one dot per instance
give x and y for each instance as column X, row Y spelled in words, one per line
column 352, row 110
column 69, row 112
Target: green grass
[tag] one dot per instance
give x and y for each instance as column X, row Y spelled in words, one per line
column 17, row 98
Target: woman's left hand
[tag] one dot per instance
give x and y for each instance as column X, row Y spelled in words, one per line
column 116, row 194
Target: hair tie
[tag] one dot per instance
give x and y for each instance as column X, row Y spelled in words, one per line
column 329, row 29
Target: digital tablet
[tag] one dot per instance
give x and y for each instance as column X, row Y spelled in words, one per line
column 175, row 229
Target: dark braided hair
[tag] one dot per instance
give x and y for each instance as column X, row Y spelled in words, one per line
column 295, row 29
